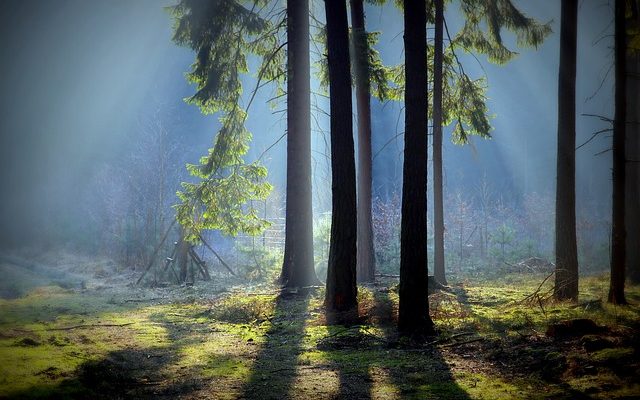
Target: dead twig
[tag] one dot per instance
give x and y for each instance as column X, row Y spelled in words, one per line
column 141, row 300
column 67, row 328
column 449, row 338
column 464, row 342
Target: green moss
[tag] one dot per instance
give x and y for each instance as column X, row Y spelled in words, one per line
column 226, row 367
column 243, row 338
column 612, row 355
column 481, row 386
column 40, row 366
column 240, row 308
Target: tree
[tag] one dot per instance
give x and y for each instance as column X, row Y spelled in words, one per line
column 566, row 279
column 298, row 267
column 632, row 188
column 223, row 33
column 414, row 316
column 365, row 266
column 438, row 212
column 618, row 229
column 341, row 273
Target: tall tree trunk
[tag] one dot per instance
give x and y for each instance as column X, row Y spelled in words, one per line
column 414, row 302
column 438, row 210
column 618, row 239
column 298, row 267
column 366, row 256
column 566, row 279
column 341, row 274
column 632, row 215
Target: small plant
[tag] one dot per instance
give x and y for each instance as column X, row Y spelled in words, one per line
column 503, row 237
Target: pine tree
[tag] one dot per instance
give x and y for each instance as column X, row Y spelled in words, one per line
column 341, row 288
column 618, row 229
column 566, row 277
column 298, row 267
column 632, row 186
column 438, row 211
column 223, row 33
column 414, row 316
column 360, row 46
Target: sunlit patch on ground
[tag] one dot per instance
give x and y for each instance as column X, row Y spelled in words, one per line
column 493, row 344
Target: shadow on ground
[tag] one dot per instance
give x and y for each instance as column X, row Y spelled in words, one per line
column 274, row 371
column 372, row 366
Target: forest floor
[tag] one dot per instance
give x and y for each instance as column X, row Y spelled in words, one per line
column 498, row 339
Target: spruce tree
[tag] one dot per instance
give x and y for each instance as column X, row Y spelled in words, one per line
column 360, row 49
column 618, row 228
column 566, row 276
column 341, row 289
column 298, row 266
column 413, row 317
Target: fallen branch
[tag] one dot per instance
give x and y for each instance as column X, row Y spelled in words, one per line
column 460, row 334
column 449, row 338
column 217, row 255
column 461, row 343
column 536, row 292
column 67, row 328
column 141, row 300
column 155, row 252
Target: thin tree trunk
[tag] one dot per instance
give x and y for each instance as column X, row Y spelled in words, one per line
column 298, row 267
column 414, row 302
column 366, row 256
column 566, row 279
column 341, row 274
column 438, row 210
column 618, row 230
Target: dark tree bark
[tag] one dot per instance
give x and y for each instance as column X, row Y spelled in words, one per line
column 298, row 267
column 182, row 256
column 438, row 210
column 618, row 230
column 566, row 279
column 414, row 303
column 632, row 214
column 366, row 256
column 341, row 274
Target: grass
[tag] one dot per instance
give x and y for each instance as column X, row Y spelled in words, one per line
column 56, row 343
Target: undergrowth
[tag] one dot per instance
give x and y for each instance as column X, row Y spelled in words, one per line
column 492, row 344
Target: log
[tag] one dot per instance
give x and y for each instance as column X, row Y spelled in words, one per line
column 217, row 256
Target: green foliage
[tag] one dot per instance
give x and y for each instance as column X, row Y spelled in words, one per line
column 223, row 33
column 503, row 237
column 463, row 98
column 379, row 74
column 495, row 15
column 321, row 242
column 257, row 262
column 222, row 199
column 467, row 108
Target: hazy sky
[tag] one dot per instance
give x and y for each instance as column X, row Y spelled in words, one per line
column 78, row 77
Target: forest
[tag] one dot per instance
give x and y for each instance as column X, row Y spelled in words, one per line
column 320, row 199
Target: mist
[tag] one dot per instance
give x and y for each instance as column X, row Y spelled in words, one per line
column 126, row 242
